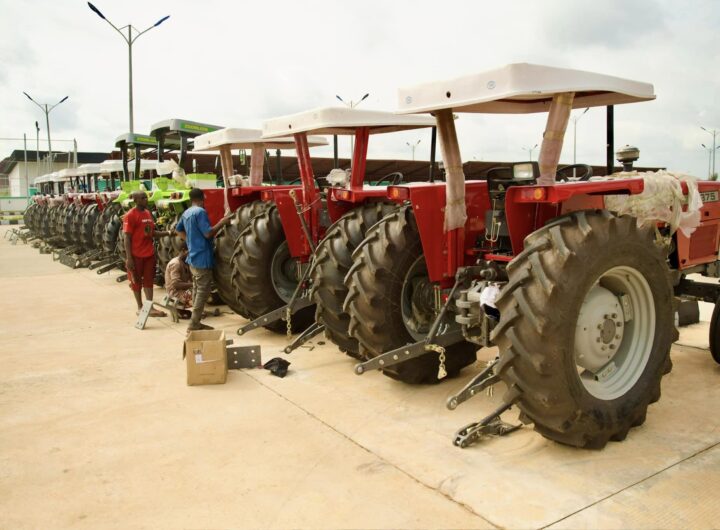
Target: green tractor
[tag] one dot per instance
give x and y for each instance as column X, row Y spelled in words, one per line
column 172, row 139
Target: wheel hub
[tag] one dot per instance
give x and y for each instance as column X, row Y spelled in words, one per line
column 599, row 330
column 417, row 300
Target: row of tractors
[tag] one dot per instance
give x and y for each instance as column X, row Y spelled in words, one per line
column 574, row 278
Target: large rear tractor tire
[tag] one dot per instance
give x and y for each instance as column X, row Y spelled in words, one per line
column 30, row 217
column 100, row 226
column 587, row 322
column 391, row 300
column 87, row 230
column 332, row 263
column 265, row 274
column 715, row 332
column 120, row 250
column 112, row 231
column 169, row 246
column 224, row 250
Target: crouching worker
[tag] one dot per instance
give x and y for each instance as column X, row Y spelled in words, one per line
column 139, row 232
column 195, row 226
column 178, row 281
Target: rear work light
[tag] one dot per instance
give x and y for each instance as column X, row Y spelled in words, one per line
column 533, row 194
column 266, row 195
column 399, row 193
column 343, row 195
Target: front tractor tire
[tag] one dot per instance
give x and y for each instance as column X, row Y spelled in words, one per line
column 265, row 274
column 586, row 328
column 390, row 300
column 332, row 263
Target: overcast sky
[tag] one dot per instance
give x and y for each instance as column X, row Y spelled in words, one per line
column 237, row 63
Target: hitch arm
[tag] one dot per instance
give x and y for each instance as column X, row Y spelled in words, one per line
column 477, row 384
column 490, row 425
column 278, row 314
column 408, row 352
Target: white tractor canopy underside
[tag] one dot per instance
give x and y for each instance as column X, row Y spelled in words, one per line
column 519, row 89
column 233, row 138
column 342, row 120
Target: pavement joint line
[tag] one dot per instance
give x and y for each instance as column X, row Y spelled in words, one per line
column 652, row 475
column 463, row 505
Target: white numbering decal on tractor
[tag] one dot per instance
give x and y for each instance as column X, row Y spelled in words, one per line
column 709, row 196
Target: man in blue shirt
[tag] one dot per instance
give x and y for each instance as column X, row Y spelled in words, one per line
column 195, row 226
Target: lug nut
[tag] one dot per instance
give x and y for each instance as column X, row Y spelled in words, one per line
column 614, row 315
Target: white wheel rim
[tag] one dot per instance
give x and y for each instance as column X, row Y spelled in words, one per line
column 614, row 333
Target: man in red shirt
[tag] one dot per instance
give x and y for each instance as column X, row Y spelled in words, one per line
column 139, row 230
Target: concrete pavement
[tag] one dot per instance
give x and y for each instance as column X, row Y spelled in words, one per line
column 99, row 430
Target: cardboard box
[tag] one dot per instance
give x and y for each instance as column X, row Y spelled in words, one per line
column 206, row 357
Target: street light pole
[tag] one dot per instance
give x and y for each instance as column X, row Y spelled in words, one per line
column 714, row 134
column 413, row 146
column 575, row 120
column 129, row 40
column 44, row 107
column 530, row 150
column 352, row 105
column 37, row 150
column 711, row 155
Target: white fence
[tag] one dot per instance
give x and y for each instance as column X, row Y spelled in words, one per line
column 13, row 204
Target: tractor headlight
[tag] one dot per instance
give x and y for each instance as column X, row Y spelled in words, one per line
column 524, row 171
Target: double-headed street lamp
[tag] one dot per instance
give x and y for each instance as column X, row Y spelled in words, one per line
column 530, row 150
column 711, row 155
column 351, row 105
column 46, row 109
column 129, row 39
column 413, row 147
column 713, row 132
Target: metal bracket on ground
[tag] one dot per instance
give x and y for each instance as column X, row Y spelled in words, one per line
column 305, row 336
column 121, row 278
column 274, row 316
column 489, row 426
column 477, row 384
column 408, row 352
column 243, row 356
column 110, row 264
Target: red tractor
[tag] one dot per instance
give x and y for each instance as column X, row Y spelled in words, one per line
column 276, row 266
column 574, row 278
column 240, row 194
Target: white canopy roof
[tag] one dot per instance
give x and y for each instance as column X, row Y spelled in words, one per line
column 113, row 166
column 44, row 178
column 89, row 169
column 342, row 120
column 521, row 88
column 67, row 174
column 110, row 166
column 246, row 139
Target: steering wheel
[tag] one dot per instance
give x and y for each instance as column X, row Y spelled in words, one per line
column 392, row 179
column 574, row 173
